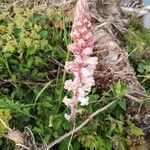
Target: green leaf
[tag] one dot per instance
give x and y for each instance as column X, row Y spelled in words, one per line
column 144, row 67
column 56, row 121
column 136, row 131
column 64, row 145
column 119, row 89
column 44, row 34
column 76, row 145
column 113, row 126
column 122, row 103
column 47, row 137
column 29, row 62
column 31, row 50
column 39, row 61
column 94, row 90
column 13, row 107
column 120, row 146
column 14, row 78
column 43, row 89
column 28, row 41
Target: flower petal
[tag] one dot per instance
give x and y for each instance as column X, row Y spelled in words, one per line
column 83, row 101
column 68, row 117
column 87, row 51
column 66, row 101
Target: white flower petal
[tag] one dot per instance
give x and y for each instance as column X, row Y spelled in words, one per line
column 68, row 117
column 81, row 92
column 91, row 60
column 83, row 101
column 85, row 72
column 66, row 101
column 87, row 51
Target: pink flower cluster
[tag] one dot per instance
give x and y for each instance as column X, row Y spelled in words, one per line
column 83, row 65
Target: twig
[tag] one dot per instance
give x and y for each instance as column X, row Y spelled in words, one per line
column 57, row 63
column 4, row 124
column 80, row 126
column 134, row 98
column 131, row 97
column 24, row 82
column 9, row 129
column 64, row 3
column 23, row 146
column 32, row 136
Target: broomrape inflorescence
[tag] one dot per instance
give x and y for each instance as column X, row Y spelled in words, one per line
column 84, row 64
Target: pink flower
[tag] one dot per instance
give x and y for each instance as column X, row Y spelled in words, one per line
column 87, row 36
column 87, row 84
column 70, row 85
column 85, row 73
column 78, row 60
column 87, row 51
column 84, row 30
column 71, row 66
column 91, row 60
column 73, row 48
column 81, row 43
column 82, row 93
column 83, row 65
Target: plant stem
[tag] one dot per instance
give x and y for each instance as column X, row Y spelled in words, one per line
column 4, row 124
column 67, row 58
column 80, row 126
column 6, row 64
column 74, row 124
column 43, row 89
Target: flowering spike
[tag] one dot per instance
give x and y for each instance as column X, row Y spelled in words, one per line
column 83, row 65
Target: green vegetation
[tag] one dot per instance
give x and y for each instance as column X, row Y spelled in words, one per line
column 137, row 44
column 33, row 51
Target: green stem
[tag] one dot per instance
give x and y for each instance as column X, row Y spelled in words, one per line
column 66, row 40
column 6, row 64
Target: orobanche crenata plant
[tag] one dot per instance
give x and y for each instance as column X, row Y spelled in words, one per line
column 83, row 65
